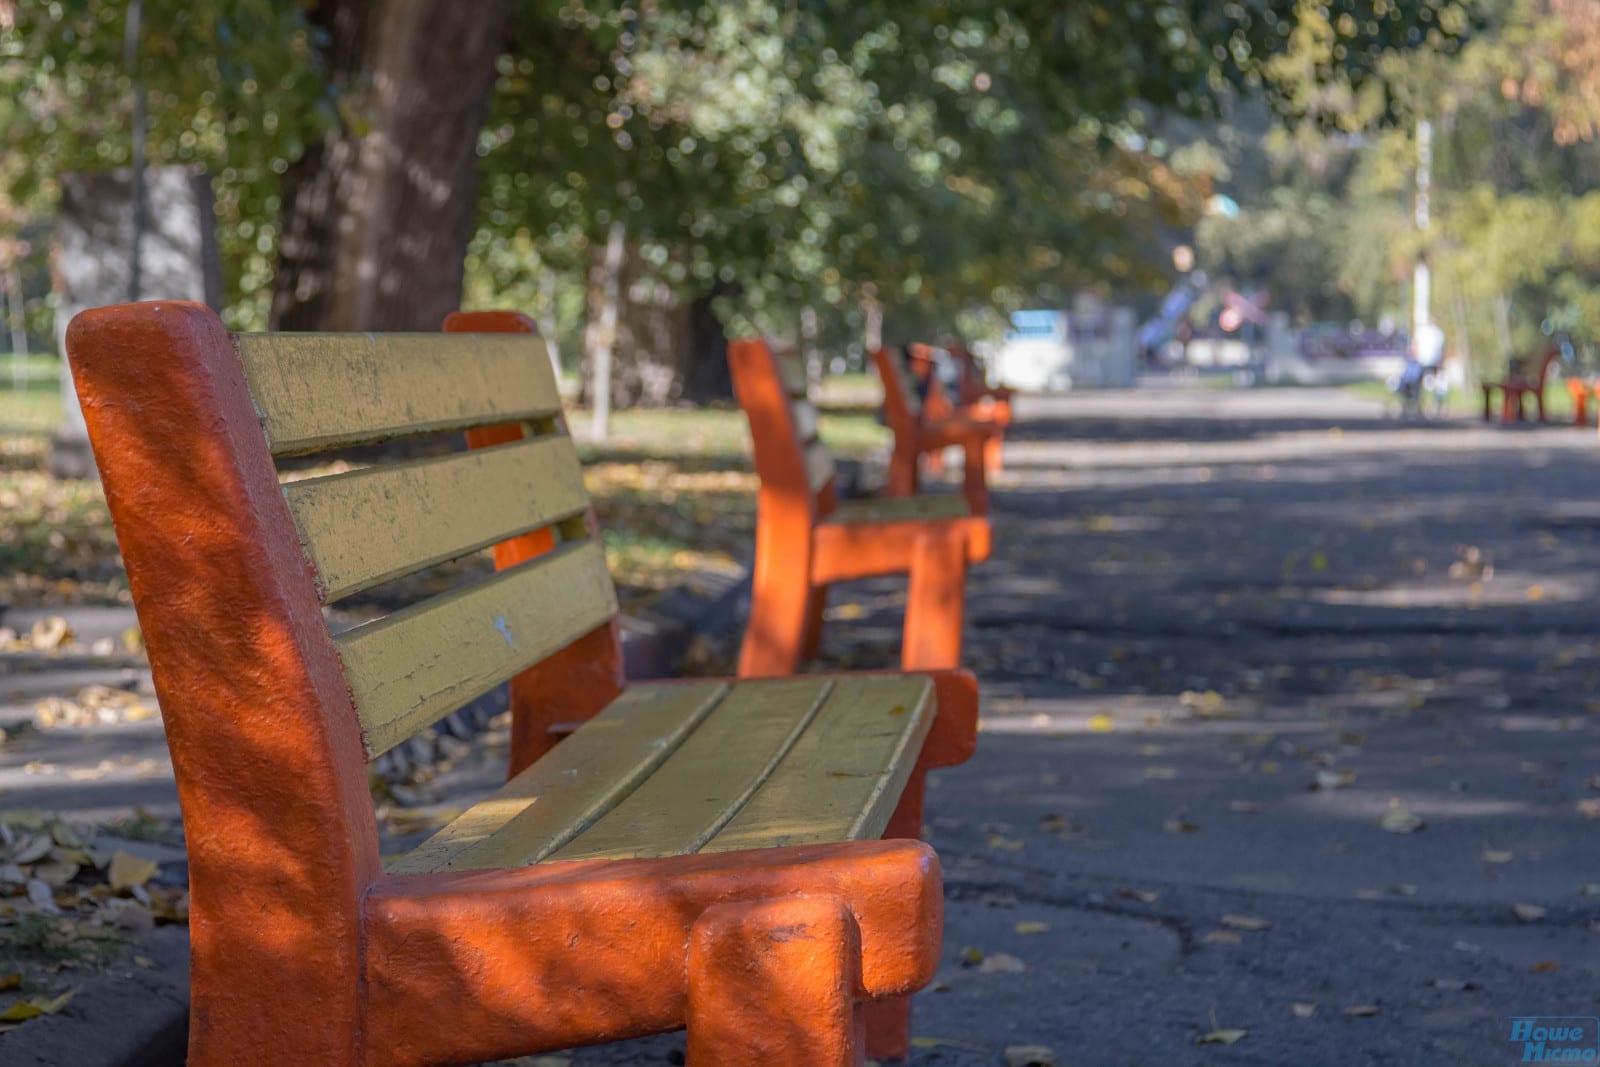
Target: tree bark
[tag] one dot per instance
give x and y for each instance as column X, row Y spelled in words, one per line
column 376, row 217
column 638, row 337
column 602, row 339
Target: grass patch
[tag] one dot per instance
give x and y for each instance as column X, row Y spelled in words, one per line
column 35, row 410
column 721, row 432
column 1557, row 401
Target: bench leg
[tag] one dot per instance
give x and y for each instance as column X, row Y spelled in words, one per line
column 902, row 472
column 936, row 605
column 975, row 483
column 889, row 1019
column 776, row 984
column 816, row 605
column 775, row 635
column 993, row 451
column 1488, row 402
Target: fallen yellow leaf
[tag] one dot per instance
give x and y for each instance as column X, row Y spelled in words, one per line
column 1245, row 922
column 1221, row 1037
column 1398, row 820
column 1528, row 913
column 1102, row 724
column 29, row 1009
column 1031, row 926
column 127, row 870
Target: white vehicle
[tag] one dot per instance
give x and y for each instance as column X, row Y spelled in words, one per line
column 1037, row 354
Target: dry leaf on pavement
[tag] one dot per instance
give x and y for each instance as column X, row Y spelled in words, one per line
column 1398, row 820
column 28, row 1009
column 1221, row 1037
column 1001, row 963
column 126, row 871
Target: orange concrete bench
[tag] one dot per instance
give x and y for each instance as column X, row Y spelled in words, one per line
column 697, row 854
column 917, row 434
column 806, row 539
column 975, row 400
column 1580, row 389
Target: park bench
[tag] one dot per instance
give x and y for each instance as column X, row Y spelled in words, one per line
column 975, row 399
column 916, row 435
column 806, row 539
column 975, row 387
column 1518, row 385
column 1580, row 389
column 696, row 854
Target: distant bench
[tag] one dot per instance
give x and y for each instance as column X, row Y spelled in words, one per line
column 807, row 539
column 918, row 433
column 696, row 854
column 1521, row 382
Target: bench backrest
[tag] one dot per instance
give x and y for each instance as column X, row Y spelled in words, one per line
column 902, row 403
column 1548, row 360
column 270, row 715
column 974, row 374
column 791, row 460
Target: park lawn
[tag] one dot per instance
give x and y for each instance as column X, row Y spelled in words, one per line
column 673, row 491
column 1557, row 401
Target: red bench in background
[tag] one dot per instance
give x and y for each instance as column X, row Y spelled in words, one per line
column 1516, row 387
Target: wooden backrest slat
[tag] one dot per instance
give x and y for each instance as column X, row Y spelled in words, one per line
column 805, row 420
column 320, row 391
column 820, row 467
column 905, row 381
column 792, row 369
column 410, row 669
column 365, row 527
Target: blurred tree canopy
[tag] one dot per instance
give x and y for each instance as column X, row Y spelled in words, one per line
column 1512, row 243
column 761, row 162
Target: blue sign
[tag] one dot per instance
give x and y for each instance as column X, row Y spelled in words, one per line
column 1556, row 1038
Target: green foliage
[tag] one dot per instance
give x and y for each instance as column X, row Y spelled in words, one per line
column 939, row 155
column 231, row 87
column 948, row 155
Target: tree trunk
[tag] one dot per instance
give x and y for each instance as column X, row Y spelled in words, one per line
column 602, row 339
column 645, row 358
column 706, row 373
column 1502, row 330
column 376, row 217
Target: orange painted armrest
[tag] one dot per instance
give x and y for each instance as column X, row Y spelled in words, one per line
column 843, row 551
column 941, row 433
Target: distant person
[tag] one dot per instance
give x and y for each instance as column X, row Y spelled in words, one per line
column 1427, row 348
column 1423, row 357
